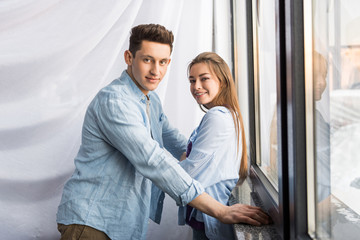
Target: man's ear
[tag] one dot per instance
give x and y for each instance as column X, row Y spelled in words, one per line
column 128, row 57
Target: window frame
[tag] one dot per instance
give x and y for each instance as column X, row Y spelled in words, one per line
column 288, row 212
column 261, row 185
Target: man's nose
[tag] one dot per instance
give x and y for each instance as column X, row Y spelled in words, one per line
column 155, row 69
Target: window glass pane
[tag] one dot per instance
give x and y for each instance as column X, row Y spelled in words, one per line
column 336, row 101
column 265, row 77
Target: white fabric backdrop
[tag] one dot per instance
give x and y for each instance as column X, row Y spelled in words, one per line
column 54, row 57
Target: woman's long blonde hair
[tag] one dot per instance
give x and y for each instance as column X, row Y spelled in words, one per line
column 227, row 97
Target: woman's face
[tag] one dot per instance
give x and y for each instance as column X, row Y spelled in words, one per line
column 204, row 85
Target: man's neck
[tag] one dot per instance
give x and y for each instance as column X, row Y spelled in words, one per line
column 129, row 72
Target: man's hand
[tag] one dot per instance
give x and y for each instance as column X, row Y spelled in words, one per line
column 240, row 213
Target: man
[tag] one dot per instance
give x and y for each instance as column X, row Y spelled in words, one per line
column 111, row 193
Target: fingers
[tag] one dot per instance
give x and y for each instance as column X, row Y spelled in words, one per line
column 250, row 215
column 261, row 217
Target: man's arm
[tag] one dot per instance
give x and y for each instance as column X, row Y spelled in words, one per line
column 121, row 122
column 238, row 213
column 121, row 125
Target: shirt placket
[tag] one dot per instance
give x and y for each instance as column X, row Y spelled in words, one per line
column 148, row 112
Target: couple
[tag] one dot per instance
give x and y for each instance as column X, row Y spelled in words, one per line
column 122, row 165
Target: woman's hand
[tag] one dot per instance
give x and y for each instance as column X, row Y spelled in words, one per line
column 183, row 156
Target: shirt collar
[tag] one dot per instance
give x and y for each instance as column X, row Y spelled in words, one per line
column 138, row 93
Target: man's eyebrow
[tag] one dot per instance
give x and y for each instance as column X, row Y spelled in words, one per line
column 149, row 56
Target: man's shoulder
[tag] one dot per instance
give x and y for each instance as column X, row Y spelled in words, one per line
column 117, row 89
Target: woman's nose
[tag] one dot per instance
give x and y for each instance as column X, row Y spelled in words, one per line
column 197, row 85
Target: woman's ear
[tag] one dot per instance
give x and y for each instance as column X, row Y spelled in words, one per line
column 128, row 57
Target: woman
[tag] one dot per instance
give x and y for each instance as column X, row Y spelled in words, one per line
column 216, row 154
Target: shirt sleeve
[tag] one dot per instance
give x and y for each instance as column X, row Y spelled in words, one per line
column 120, row 120
column 214, row 130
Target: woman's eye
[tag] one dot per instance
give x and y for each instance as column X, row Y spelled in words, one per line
column 204, row 79
column 191, row 80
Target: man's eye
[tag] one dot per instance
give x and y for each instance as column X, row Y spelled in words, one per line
column 146, row 60
column 163, row 62
column 191, row 80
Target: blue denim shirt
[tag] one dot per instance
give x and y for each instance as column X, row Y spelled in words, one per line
column 212, row 159
column 120, row 158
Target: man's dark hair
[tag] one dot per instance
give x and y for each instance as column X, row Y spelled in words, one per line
column 149, row 32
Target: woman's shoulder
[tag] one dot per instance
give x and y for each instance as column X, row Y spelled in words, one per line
column 218, row 115
column 219, row 112
column 219, row 109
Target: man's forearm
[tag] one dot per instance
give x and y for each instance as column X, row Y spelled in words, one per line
column 208, row 205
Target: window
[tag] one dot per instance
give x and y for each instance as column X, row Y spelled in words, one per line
column 257, row 59
column 303, row 71
column 264, row 36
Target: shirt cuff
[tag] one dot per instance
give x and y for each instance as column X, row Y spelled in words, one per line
column 193, row 192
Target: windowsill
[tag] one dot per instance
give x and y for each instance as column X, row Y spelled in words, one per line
column 243, row 194
column 342, row 222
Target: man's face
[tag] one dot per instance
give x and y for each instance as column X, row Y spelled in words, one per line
column 149, row 65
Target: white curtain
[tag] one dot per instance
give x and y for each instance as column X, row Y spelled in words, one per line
column 54, row 57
